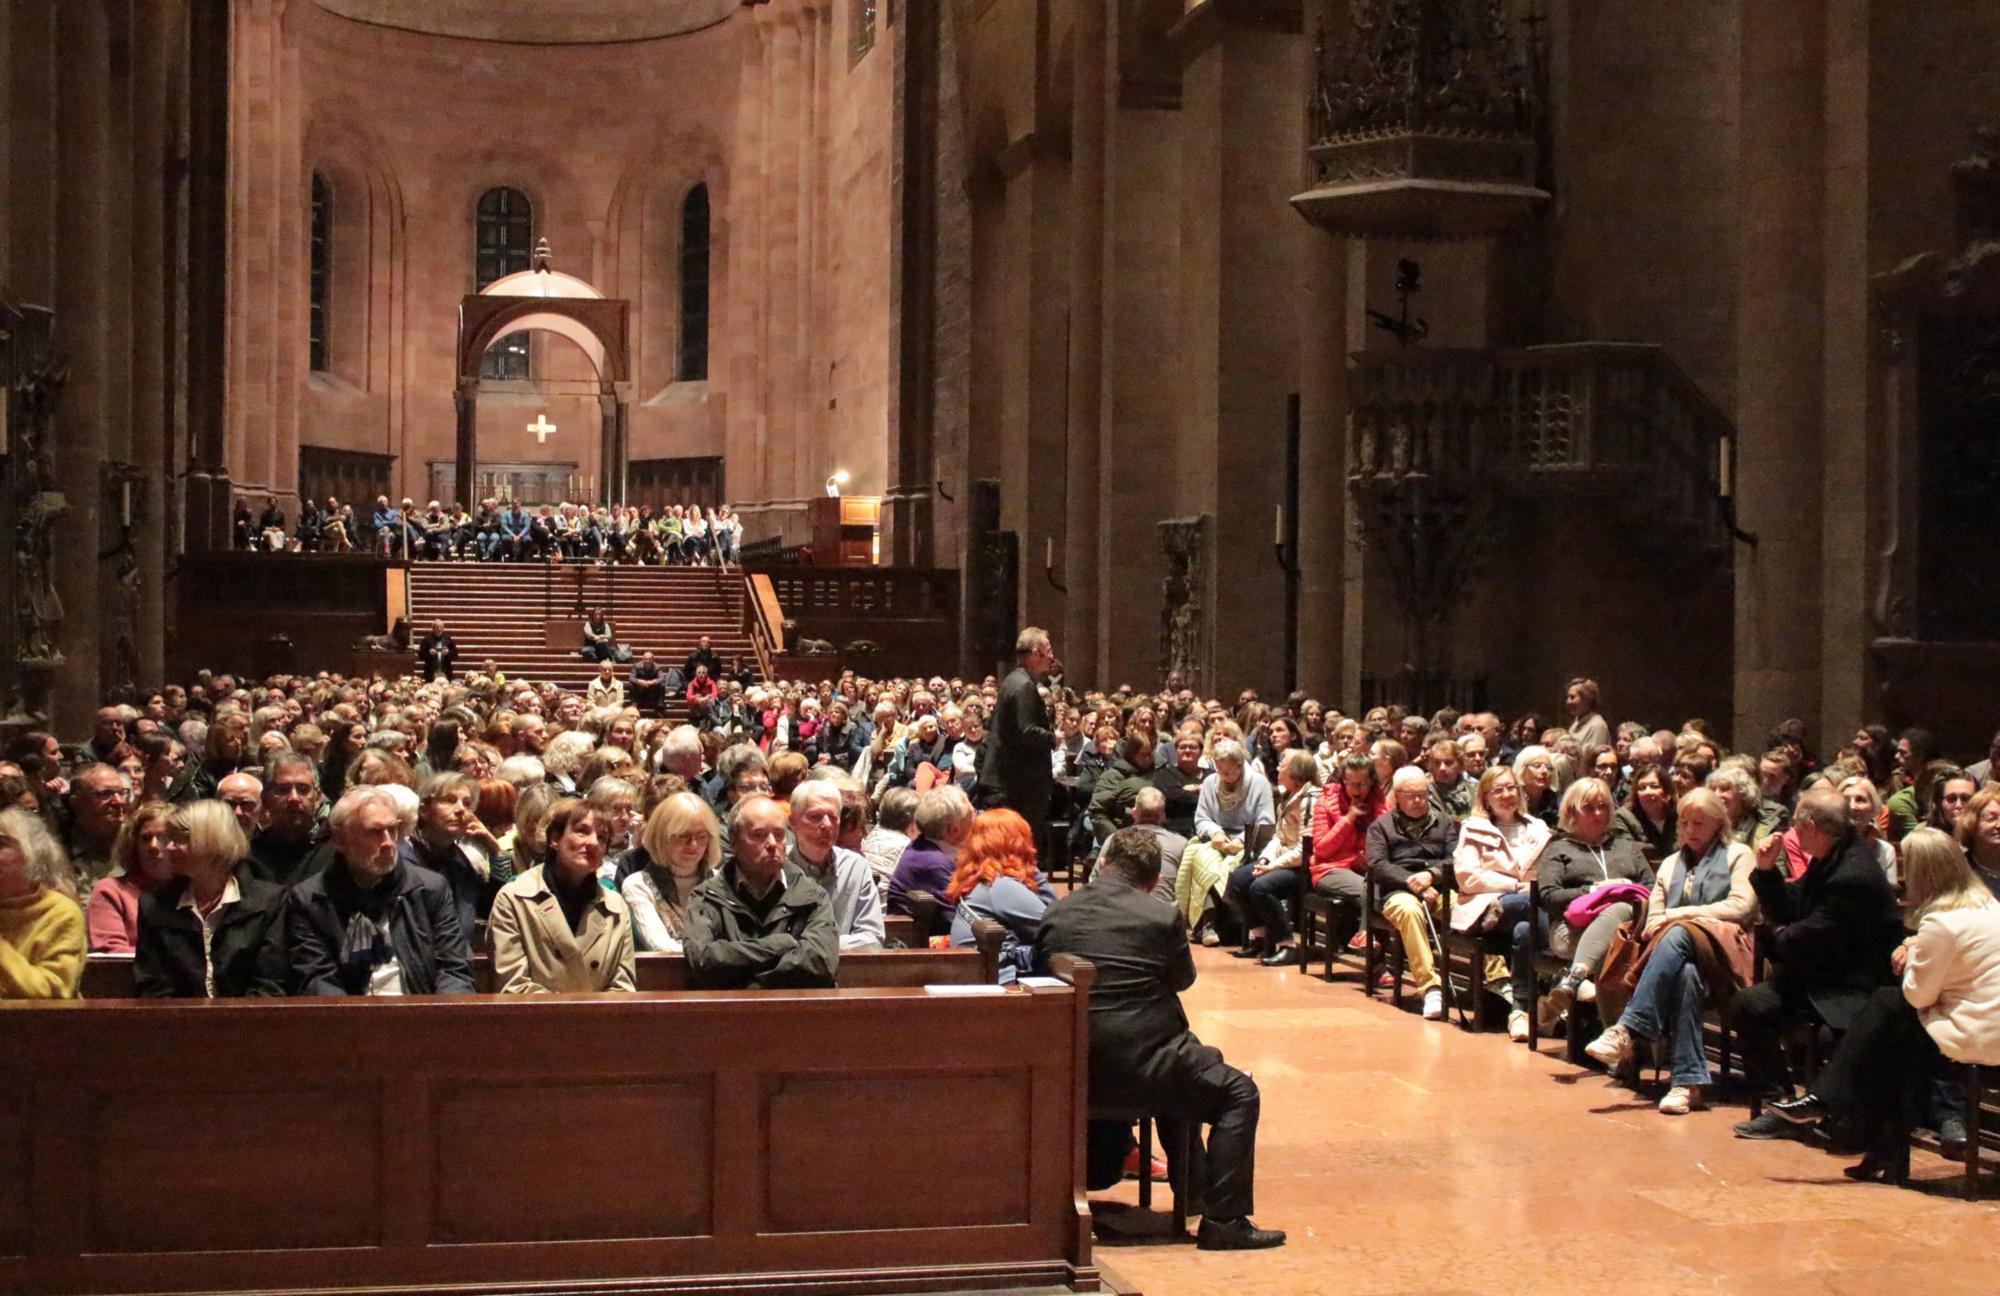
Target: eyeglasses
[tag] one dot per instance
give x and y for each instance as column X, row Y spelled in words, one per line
column 700, row 836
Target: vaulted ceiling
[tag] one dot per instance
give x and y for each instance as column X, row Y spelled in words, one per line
column 540, row 22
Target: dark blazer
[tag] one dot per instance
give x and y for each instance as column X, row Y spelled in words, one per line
column 248, row 955
column 437, row 655
column 1018, row 760
column 1143, row 1057
column 1393, row 854
column 423, row 928
column 1834, row 928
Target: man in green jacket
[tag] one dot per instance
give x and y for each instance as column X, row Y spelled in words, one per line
column 760, row 923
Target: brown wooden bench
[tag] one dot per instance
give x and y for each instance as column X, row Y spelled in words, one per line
column 670, row 1143
column 109, row 976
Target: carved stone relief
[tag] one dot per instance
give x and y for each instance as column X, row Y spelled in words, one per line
column 1183, row 616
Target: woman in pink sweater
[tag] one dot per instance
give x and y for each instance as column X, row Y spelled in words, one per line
column 138, row 864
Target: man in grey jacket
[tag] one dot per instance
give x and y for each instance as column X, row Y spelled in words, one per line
column 760, row 923
column 843, row 874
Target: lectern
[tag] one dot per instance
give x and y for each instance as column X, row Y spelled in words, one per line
column 843, row 529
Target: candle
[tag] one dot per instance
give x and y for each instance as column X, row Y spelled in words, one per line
column 125, row 503
column 1278, row 529
column 1049, row 559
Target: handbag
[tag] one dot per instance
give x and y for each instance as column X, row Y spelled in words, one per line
column 1618, row 976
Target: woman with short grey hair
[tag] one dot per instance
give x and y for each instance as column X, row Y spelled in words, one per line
column 1235, row 813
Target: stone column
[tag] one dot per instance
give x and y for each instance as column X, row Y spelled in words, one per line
column 1243, row 140
column 1034, row 402
column 1323, row 549
column 206, row 484
column 152, row 314
column 465, row 446
column 1779, row 356
column 1079, row 558
column 84, row 301
column 1139, row 409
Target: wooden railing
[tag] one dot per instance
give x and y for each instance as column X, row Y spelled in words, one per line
column 764, row 620
column 1538, row 417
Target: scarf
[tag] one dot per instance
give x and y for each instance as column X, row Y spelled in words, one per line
column 1230, row 801
column 671, row 905
column 1708, row 879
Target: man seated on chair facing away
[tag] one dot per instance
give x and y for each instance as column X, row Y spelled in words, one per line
column 1143, row 1057
column 760, row 923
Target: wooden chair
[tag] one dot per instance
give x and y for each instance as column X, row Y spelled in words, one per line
column 1543, row 963
column 1383, row 940
column 1473, row 948
column 1981, row 1086
column 1178, row 1159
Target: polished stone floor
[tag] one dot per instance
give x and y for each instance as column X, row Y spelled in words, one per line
column 1406, row 1156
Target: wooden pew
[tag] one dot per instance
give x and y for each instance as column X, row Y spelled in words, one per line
column 657, row 1143
column 109, row 976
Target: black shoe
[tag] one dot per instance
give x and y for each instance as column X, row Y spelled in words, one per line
column 1768, row 1126
column 1808, row 1110
column 1952, row 1137
column 1236, row 1235
column 1878, row 1167
column 1286, row 956
column 1251, row 949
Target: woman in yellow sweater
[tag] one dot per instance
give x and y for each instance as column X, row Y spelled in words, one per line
column 41, row 925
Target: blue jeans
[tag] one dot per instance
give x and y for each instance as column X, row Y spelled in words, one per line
column 1515, row 911
column 1667, row 1005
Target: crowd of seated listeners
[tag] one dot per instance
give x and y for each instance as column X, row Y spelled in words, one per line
column 499, row 531
column 318, row 835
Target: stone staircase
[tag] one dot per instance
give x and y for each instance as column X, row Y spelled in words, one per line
column 526, row 617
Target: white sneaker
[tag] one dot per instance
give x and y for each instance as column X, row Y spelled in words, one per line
column 1586, row 991
column 1433, row 1005
column 1209, row 939
column 1613, row 1048
column 1517, row 1026
column 1680, row 1100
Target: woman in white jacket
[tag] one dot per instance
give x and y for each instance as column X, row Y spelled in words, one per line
column 1492, row 868
column 1947, row 1007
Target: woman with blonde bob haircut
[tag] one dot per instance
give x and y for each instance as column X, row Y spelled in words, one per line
column 1947, row 1007
column 206, row 934
column 1493, row 864
column 683, row 845
column 1582, row 859
column 42, row 942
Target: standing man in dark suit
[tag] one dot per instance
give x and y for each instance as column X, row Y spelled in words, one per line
column 1833, row 931
column 1017, row 769
column 1143, row 1057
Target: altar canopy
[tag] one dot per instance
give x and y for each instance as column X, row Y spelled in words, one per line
column 542, row 298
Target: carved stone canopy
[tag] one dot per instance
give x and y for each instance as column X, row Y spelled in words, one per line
column 1423, row 122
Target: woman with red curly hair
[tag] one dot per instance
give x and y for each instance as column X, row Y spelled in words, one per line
column 996, row 878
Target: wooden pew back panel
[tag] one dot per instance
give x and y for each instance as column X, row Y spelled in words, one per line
column 452, row 1144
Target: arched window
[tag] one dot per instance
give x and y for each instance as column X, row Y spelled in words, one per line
column 693, row 365
column 505, row 245
column 320, row 272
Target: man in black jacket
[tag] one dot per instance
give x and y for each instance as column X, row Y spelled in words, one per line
column 760, row 923
column 437, row 655
column 369, row 924
column 1017, row 768
column 1143, row 1057
column 286, row 848
column 1833, row 931
column 1409, row 865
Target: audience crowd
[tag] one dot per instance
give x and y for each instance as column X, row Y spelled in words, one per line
column 500, row 531
column 316, row 835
